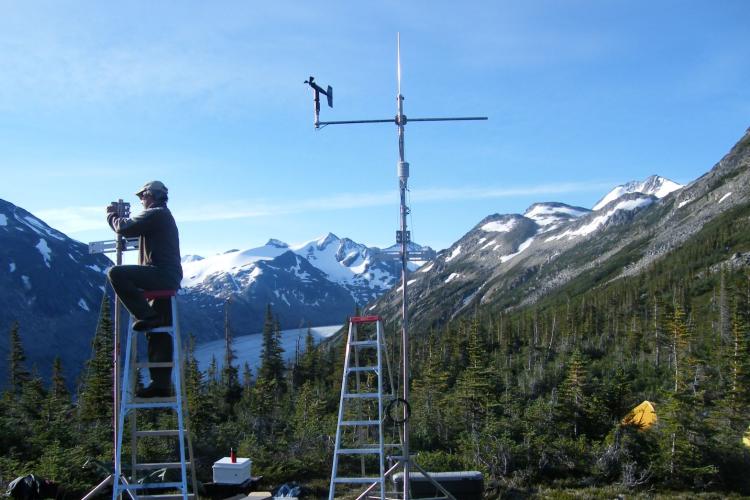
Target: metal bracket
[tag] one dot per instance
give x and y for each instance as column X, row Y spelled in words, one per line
column 110, row 246
column 400, row 237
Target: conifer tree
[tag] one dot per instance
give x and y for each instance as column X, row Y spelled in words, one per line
column 58, row 409
column 680, row 348
column 428, row 400
column 307, row 366
column 658, row 325
column 59, row 389
column 573, row 393
column 739, row 364
column 681, row 424
column 17, row 372
column 474, row 384
column 725, row 333
column 95, row 396
column 311, row 427
column 196, row 402
column 229, row 373
column 731, row 411
column 271, row 361
column 247, row 376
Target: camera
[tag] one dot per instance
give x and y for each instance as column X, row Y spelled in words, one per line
column 119, row 207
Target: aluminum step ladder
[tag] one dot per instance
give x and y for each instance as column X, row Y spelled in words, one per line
column 361, row 409
column 131, row 404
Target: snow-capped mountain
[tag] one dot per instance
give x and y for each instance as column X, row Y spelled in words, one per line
column 653, row 185
column 512, row 259
column 550, row 215
column 52, row 286
column 316, row 282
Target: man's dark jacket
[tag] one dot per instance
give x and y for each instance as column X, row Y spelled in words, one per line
column 158, row 239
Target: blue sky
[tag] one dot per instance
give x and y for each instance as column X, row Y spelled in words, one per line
column 98, row 97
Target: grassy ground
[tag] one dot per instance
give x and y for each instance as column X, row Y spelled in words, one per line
column 610, row 492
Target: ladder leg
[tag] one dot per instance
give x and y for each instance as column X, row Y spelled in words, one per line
column 124, row 398
column 135, row 377
column 176, row 377
column 381, row 441
column 178, row 372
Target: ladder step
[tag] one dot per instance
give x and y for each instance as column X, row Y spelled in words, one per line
column 359, row 451
column 363, row 369
column 164, row 364
column 171, row 496
column 364, row 319
column 146, row 486
column 161, row 329
column 161, row 465
column 158, row 433
column 364, row 343
column 362, row 395
column 360, row 422
column 171, row 400
column 357, row 480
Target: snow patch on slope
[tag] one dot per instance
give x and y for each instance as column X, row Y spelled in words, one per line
column 455, row 253
column 683, row 203
column 600, row 220
column 725, row 196
column 499, row 226
column 546, row 214
column 38, row 227
column 654, row 185
column 3, row 220
column 427, row 268
column 197, row 271
column 45, row 251
column 523, row 246
column 452, row 277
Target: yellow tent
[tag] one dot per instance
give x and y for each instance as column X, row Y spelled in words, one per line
column 643, row 416
column 746, row 438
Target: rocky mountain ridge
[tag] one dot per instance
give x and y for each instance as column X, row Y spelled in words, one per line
column 511, row 260
column 51, row 286
column 317, row 282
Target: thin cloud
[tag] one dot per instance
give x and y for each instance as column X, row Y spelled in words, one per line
column 472, row 193
column 73, row 219
column 84, row 218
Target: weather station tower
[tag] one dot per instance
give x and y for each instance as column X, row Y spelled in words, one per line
column 403, row 238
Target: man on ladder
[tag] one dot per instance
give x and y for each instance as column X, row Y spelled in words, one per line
column 158, row 268
column 157, row 277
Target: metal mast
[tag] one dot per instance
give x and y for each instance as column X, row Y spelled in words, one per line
column 403, row 236
column 403, row 180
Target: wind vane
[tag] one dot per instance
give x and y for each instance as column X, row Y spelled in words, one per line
column 403, row 236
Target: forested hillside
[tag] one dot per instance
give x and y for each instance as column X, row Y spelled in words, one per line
column 531, row 397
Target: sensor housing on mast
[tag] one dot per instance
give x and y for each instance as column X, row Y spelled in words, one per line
column 317, row 90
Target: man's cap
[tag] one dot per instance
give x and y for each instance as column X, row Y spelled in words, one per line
column 154, row 187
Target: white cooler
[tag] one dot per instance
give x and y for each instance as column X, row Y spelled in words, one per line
column 226, row 472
